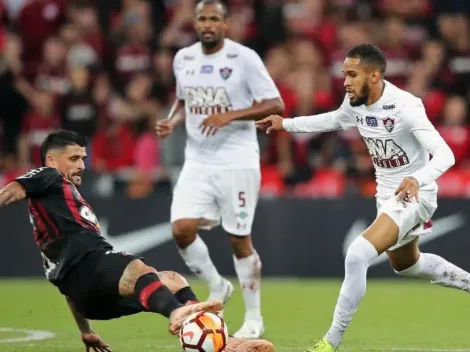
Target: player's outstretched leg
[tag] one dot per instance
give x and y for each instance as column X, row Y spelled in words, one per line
column 195, row 254
column 143, row 282
column 408, row 261
column 248, row 268
column 381, row 235
column 177, row 284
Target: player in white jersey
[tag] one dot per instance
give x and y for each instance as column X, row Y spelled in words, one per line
column 400, row 139
column 224, row 86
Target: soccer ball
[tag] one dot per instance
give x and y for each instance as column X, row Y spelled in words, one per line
column 203, row 332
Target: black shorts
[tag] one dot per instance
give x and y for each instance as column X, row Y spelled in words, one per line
column 93, row 286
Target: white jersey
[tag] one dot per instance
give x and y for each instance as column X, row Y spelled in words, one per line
column 398, row 135
column 230, row 79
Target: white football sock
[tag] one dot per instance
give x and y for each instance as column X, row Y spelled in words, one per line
column 361, row 253
column 249, row 275
column 439, row 271
column 197, row 258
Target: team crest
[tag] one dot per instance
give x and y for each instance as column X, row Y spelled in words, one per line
column 389, row 124
column 225, row 72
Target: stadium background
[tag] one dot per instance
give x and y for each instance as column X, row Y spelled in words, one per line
column 103, row 68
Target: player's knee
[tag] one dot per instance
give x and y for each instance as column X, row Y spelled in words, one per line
column 134, row 270
column 241, row 245
column 184, row 231
column 173, row 280
column 360, row 253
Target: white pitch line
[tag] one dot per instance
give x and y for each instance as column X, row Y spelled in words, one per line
column 31, row 335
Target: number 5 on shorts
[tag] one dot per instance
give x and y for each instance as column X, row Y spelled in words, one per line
column 241, row 198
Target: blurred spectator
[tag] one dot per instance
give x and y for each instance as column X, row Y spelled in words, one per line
column 52, row 75
column 80, row 53
column 455, row 32
column 163, row 78
column 104, row 69
column 79, row 111
column 41, row 120
column 37, row 21
column 455, row 131
column 349, row 35
column 113, row 149
column 134, row 54
column 395, row 45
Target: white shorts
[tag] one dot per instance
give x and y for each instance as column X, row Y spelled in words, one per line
column 212, row 195
column 413, row 219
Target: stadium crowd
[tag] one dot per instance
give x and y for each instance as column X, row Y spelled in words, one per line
column 104, row 68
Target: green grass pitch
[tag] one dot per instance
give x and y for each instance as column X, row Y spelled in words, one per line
column 396, row 315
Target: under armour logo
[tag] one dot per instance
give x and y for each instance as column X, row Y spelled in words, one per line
column 359, row 119
column 241, row 226
column 190, row 72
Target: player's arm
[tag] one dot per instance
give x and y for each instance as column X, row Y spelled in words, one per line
column 329, row 121
column 37, row 181
column 82, row 323
column 90, row 339
column 11, row 193
column 338, row 119
column 442, row 156
column 259, row 110
column 176, row 115
column 266, row 97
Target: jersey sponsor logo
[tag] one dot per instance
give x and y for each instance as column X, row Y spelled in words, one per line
column 371, row 121
column 207, row 68
column 386, row 153
column 206, row 101
column 33, row 172
column 389, row 107
column 359, row 119
column 389, row 124
column 88, row 214
column 225, row 72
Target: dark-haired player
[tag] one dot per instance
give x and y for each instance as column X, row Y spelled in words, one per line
column 400, row 140
column 224, row 87
column 98, row 283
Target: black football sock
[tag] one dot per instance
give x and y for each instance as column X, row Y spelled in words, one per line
column 186, row 295
column 154, row 296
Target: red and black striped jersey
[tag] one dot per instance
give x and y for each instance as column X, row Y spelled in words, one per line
column 64, row 224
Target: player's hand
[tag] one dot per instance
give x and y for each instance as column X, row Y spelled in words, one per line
column 94, row 343
column 12, row 192
column 212, row 123
column 270, row 123
column 164, row 128
column 408, row 189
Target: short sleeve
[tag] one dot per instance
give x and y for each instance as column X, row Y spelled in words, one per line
column 178, row 65
column 260, row 83
column 40, row 180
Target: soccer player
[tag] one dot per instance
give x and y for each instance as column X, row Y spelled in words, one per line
column 223, row 86
column 98, row 283
column 400, row 139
